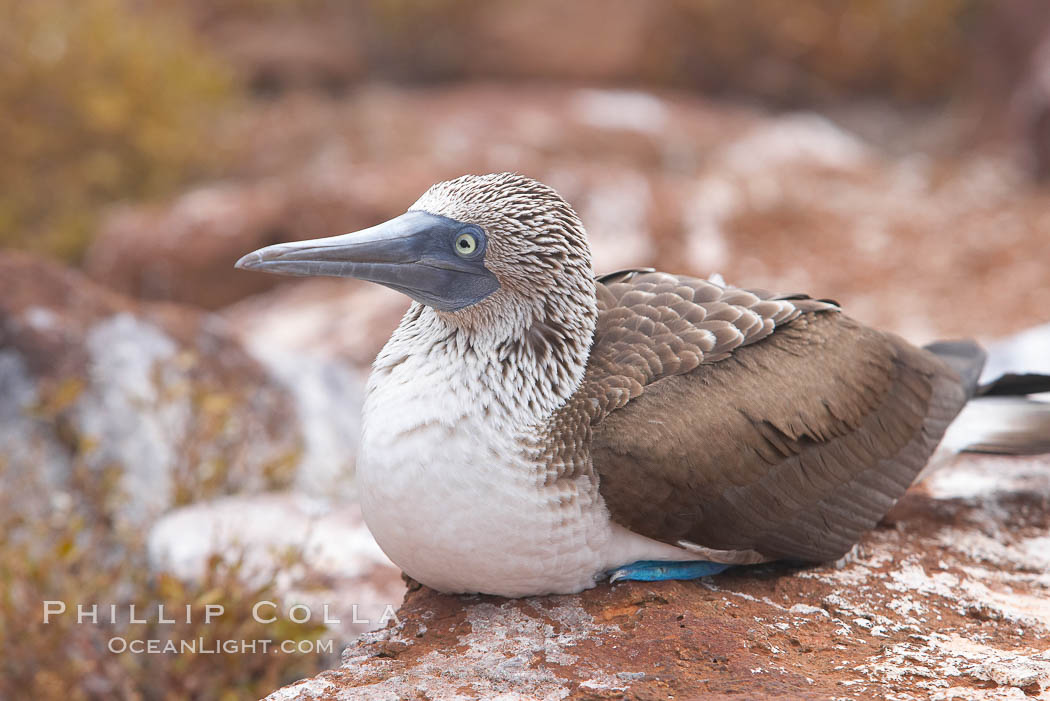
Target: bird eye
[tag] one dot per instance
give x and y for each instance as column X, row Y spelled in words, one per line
column 466, row 244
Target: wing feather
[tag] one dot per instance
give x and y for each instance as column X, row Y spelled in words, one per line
column 741, row 421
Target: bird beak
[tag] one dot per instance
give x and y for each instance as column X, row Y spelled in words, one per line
column 412, row 253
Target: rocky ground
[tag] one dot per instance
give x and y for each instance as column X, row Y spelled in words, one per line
column 164, row 394
column 948, row 599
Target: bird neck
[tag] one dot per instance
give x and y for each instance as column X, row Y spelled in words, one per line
column 516, row 368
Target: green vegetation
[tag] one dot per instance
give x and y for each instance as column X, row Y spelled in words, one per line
column 100, row 102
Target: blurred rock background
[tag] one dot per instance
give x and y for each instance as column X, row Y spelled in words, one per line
column 174, row 431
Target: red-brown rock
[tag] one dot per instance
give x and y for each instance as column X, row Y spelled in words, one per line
column 314, row 168
column 166, row 396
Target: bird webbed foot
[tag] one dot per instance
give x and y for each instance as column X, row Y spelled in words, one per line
column 660, row 570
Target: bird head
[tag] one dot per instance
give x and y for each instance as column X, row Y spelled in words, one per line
column 476, row 249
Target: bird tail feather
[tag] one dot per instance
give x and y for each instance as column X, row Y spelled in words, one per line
column 1004, row 425
column 1000, row 417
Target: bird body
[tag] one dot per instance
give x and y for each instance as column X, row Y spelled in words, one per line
column 455, row 484
column 529, row 427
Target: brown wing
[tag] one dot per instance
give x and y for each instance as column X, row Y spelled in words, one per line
column 739, row 421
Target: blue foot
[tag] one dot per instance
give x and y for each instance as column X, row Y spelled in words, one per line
column 659, row 570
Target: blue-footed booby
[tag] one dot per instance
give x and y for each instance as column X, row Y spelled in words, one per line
column 531, row 428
